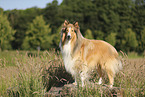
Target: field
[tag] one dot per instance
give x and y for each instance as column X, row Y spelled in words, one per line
column 33, row 74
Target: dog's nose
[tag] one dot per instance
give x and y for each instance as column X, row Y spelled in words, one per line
column 68, row 37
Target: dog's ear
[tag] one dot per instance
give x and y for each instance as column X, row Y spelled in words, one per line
column 65, row 23
column 63, row 37
column 76, row 25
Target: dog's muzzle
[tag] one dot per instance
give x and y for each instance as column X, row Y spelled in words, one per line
column 68, row 37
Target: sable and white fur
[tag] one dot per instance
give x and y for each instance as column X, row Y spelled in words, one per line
column 81, row 55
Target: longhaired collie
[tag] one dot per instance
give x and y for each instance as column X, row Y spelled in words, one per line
column 81, row 55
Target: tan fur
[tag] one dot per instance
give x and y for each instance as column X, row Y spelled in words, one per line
column 85, row 55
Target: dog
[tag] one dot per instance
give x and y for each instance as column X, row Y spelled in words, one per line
column 81, row 55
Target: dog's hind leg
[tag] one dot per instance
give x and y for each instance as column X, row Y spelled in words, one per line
column 100, row 74
column 111, row 78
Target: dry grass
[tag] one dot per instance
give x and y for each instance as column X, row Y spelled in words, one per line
column 35, row 74
column 131, row 79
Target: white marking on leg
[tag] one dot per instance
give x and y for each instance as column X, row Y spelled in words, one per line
column 82, row 79
column 100, row 81
column 111, row 86
column 75, row 83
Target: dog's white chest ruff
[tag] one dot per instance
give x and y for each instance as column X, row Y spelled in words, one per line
column 67, row 58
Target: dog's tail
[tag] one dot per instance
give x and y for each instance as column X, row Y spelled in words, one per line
column 114, row 65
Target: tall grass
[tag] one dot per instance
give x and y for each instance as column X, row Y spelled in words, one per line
column 33, row 74
column 7, row 58
column 131, row 78
column 28, row 79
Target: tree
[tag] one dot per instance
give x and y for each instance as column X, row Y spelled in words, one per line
column 99, row 35
column 20, row 20
column 138, row 22
column 37, row 35
column 88, row 34
column 56, row 38
column 130, row 40
column 111, row 38
column 6, row 33
column 143, row 39
column 50, row 11
column 108, row 19
column 1, row 11
column 124, row 10
column 51, row 15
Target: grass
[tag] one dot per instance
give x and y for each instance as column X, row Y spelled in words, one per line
column 32, row 74
column 7, row 58
column 134, row 55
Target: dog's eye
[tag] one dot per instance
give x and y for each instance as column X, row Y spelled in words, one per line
column 72, row 30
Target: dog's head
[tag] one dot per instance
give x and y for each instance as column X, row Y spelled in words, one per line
column 69, row 31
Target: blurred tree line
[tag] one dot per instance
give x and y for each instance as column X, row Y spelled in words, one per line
column 119, row 22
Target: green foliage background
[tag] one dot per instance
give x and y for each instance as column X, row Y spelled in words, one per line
column 6, row 33
column 119, row 22
column 38, row 35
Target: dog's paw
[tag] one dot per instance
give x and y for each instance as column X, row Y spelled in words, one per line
column 100, row 81
column 110, row 86
column 74, row 83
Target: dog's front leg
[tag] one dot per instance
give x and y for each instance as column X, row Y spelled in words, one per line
column 84, row 77
column 75, row 83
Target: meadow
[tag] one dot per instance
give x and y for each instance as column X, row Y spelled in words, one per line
column 33, row 74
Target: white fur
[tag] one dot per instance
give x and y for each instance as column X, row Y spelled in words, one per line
column 67, row 58
column 100, row 81
column 69, row 32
